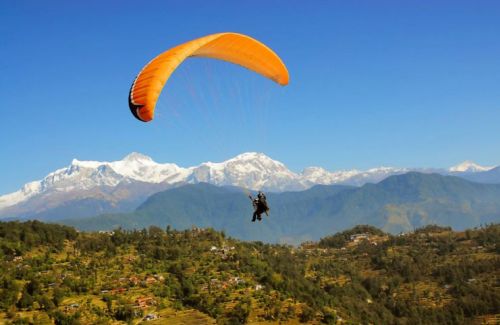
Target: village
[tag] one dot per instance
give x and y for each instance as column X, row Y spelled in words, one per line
column 200, row 276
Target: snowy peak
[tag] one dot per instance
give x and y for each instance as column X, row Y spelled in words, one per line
column 250, row 156
column 27, row 191
column 247, row 163
column 75, row 163
column 138, row 157
column 88, row 175
column 251, row 170
column 254, row 156
column 314, row 172
column 142, row 168
column 250, row 161
column 256, row 161
column 469, row 167
column 319, row 175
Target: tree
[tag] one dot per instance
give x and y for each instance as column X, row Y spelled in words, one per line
column 239, row 314
column 26, row 300
column 58, row 296
column 307, row 314
column 45, row 303
column 124, row 312
column 9, row 290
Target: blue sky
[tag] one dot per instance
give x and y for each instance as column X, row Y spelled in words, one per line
column 394, row 83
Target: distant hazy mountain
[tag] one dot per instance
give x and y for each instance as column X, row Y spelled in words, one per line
column 469, row 167
column 491, row 176
column 398, row 203
column 87, row 188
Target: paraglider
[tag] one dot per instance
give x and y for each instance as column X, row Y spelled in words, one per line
column 231, row 47
column 260, row 206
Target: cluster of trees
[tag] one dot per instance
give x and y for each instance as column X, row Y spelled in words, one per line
column 18, row 237
column 454, row 268
column 433, row 275
column 340, row 239
column 21, row 286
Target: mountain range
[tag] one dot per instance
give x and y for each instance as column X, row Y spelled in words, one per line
column 87, row 188
column 399, row 203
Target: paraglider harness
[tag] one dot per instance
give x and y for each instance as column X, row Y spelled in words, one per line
column 260, row 206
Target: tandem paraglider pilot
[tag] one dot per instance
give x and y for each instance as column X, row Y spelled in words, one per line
column 259, row 206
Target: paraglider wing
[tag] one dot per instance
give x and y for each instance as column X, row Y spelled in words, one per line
column 232, row 47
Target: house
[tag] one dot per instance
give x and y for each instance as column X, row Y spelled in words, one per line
column 150, row 280
column 197, row 230
column 110, row 233
column 226, row 249
column 134, row 280
column 143, row 302
column 118, row 290
column 357, row 237
column 235, row 280
column 149, row 317
column 71, row 307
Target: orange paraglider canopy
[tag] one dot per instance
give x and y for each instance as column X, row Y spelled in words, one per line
column 232, row 47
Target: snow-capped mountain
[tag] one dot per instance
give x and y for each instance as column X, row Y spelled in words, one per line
column 469, row 167
column 82, row 176
column 319, row 175
column 250, row 170
column 114, row 186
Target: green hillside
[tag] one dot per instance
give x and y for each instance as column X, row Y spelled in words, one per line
column 398, row 204
column 51, row 274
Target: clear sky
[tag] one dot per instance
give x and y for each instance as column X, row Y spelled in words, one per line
column 393, row 83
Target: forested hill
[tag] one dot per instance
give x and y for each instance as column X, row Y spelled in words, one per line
column 399, row 203
column 53, row 274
